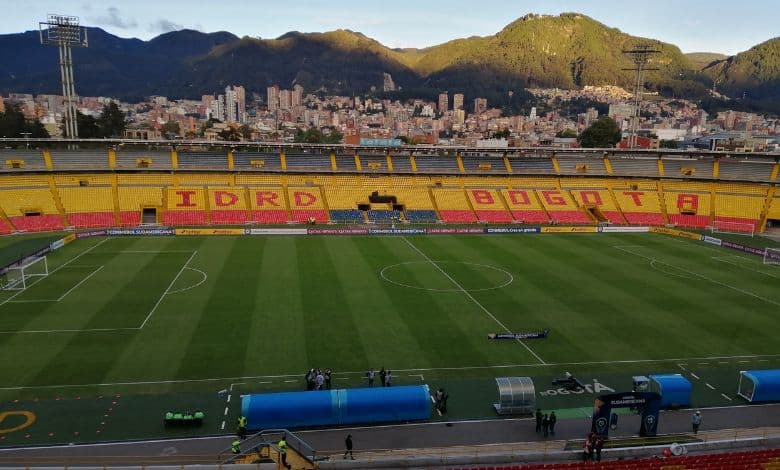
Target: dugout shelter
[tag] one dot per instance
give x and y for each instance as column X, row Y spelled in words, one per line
column 675, row 390
column 759, row 385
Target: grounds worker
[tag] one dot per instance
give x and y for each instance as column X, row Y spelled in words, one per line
column 696, row 421
column 241, row 432
column 282, row 445
column 236, row 447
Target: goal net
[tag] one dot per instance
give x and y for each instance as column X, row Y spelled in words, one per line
column 771, row 255
column 738, row 228
column 19, row 277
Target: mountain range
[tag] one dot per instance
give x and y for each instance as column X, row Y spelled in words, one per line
column 566, row 51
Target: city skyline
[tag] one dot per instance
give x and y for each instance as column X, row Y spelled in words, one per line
column 694, row 26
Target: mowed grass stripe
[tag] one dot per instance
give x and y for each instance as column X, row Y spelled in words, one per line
column 220, row 341
column 88, row 356
column 277, row 328
column 331, row 337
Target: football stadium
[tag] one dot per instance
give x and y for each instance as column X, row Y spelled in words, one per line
column 157, row 292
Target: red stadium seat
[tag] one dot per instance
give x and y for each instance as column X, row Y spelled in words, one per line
column 38, row 223
column 570, row 217
column 644, row 218
column 494, row 216
column 92, row 220
column 129, row 219
column 531, row 217
column 184, row 217
column 271, row 217
column 221, row 217
column 458, row 216
column 302, row 216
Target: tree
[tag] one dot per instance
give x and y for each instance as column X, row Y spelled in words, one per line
column 88, row 126
column 14, row 124
column 567, row 133
column 501, row 134
column 315, row 136
column 111, row 121
column 230, row 134
column 603, row 133
column 245, row 131
column 170, row 129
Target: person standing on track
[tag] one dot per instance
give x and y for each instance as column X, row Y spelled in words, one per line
column 696, row 421
column 282, row 445
column 241, row 431
column 538, row 420
column 348, row 445
column 371, row 375
column 553, row 420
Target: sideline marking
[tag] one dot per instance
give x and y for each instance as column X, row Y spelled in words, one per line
column 159, row 301
column 726, row 396
column 695, row 376
column 55, row 270
column 80, row 283
column 362, row 372
column 468, row 294
column 710, row 386
column 702, row 276
column 741, row 265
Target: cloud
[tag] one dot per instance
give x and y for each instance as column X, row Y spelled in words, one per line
column 113, row 18
column 164, row 26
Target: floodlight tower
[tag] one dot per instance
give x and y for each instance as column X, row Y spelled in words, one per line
column 64, row 32
column 640, row 55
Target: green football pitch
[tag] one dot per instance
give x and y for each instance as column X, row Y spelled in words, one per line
column 153, row 324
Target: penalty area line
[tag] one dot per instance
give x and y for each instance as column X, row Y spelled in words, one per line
column 471, row 297
column 167, row 290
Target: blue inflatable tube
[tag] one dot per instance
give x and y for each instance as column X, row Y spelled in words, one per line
column 336, row 407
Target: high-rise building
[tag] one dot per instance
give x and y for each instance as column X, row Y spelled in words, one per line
column 273, row 98
column 285, row 100
column 217, row 108
column 444, row 102
column 480, row 105
column 240, row 101
column 457, row 101
column 297, row 96
column 231, row 105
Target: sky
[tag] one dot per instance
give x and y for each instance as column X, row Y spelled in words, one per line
column 727, row 27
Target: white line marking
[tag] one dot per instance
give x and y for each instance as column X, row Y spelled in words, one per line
column 228, row 399
column 226, row 410
column 422, row 379
column 223, row 426
column 509, row 277
column 31, row 301
column 726, row 396
column 710, row 386
column 236, row 383
column 55, row 270
column 468, row 294
column 142, row 251
column 681, row 367
column 702, row 276
column 290, row 381
column 695, row 376
column 80, row 283
column 741, row 265
column 205, row 276
column 743, row 361
column 167, row 290
column 362, row 372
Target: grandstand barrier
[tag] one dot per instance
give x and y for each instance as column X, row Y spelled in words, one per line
column 336, row 407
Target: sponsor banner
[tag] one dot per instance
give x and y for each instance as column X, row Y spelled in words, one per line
column 381, row 142
column 276, row 231
column 69, row 238
column 570, row 229
column 396, row 231
column 93, row 233
column 624, row 229
column 675, row 233
column 712, row 240
column 37, row 254
column 57, row 245
column 437, row 231
column 160, row 232
column 208, row 231
column 337, row 231
column 744, row 249
column 513, row 230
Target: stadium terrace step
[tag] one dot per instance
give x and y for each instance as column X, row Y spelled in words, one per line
column 383, row 215
column 184, row 217
column 615, row 217
column 683, row 220
column 346, row 215
column 37, row 223
column 531, row 217
column 302, row 216
column 228, row 217
column 92, row 220
column 644, row 218
column 270, row 217
column 458, row 216
column 420, row 215
column 129, row 218
column 494, row 216
column 570, row 217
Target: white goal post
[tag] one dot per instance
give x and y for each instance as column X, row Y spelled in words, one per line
column 17, row 277
column 771, row 255
column 737, row 228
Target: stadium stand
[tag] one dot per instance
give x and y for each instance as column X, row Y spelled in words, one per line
column 639, row 202
column 228, row 205
column 376, row 215
column 268, row 205
column 264, row 161
column 634, row 166
column 436, row 164
column 346, row 163
column 744, row 169
column 532, row 165
column 678, row 167
column 401, row 164
column 88, row 206
column 561, row 208
column 738, row 206
column 688, row 203
column 86, row 159
column 373, row 163
column 306, row 203
column 5, row 228
column 577, row 164
column 156, row 159
column 308, row 162
column 186, row 206
column 484, row 164
column 18, row 160
column 137, row 192
column 204, row 160
column 768, row 459
column 488, row 205
column 594, row 196
column 453, row 205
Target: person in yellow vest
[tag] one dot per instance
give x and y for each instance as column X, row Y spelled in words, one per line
column 236, row 447
column 282, row 445
column 241, row 431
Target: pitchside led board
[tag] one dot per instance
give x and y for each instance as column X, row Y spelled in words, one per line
column 648, row 402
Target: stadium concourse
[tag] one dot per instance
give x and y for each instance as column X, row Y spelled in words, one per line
column 129, row 183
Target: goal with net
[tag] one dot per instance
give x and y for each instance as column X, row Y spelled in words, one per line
column 771, row 255
column 19, row 277
column 737, row 228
